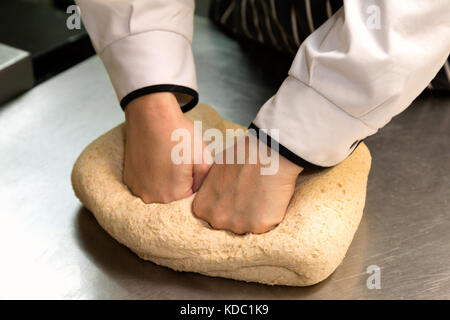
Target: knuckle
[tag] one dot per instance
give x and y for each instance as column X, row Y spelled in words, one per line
column 198, row 208
column 239, row 228
column 218, row 221
column 272, row 222
column 129, row 182
column 146, row 199
column 161, row 196
column 144, row 196
column 265, row 225
column 166, row 198
column 258, row 229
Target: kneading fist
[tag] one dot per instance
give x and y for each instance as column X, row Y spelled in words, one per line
column 237, row 197
column 149, row 171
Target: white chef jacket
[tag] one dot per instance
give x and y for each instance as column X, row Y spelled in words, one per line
column 348, row 79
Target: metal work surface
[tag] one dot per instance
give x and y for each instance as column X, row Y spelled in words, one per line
column 51, row 247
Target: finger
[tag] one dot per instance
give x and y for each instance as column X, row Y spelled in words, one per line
column 188, row 193
column 174, row 192
column 198, row 206
column 199, row 173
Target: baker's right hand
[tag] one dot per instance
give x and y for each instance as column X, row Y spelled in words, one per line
column 149, row 171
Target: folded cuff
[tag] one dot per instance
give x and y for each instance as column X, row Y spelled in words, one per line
column 187, row 98
column 313, row 132
column 285, row 152
column 149, row 62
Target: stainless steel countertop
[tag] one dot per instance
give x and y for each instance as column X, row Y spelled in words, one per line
column 51, row 247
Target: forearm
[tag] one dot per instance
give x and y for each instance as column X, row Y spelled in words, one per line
column 350, row 77
column 145, row 46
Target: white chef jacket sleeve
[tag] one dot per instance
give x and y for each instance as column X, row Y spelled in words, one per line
column 363, row 66
column 145, row 46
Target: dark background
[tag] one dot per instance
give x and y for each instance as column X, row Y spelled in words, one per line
column 38, row 27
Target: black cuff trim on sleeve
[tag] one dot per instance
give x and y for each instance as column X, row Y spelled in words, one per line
column 162, row 88
column 285, row 152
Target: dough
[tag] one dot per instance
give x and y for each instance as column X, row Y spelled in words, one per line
column 304, row 249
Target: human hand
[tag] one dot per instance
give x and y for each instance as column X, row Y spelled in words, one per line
column 237, row 197
column 149, row 171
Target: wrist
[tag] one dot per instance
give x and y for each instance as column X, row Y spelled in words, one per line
column 292, row 167
column 289, row 166
column 153, row 105
column 285, row 166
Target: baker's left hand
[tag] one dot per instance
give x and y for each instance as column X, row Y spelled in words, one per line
column 237, row 197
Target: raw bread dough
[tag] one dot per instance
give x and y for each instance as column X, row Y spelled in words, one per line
column 304, row 249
